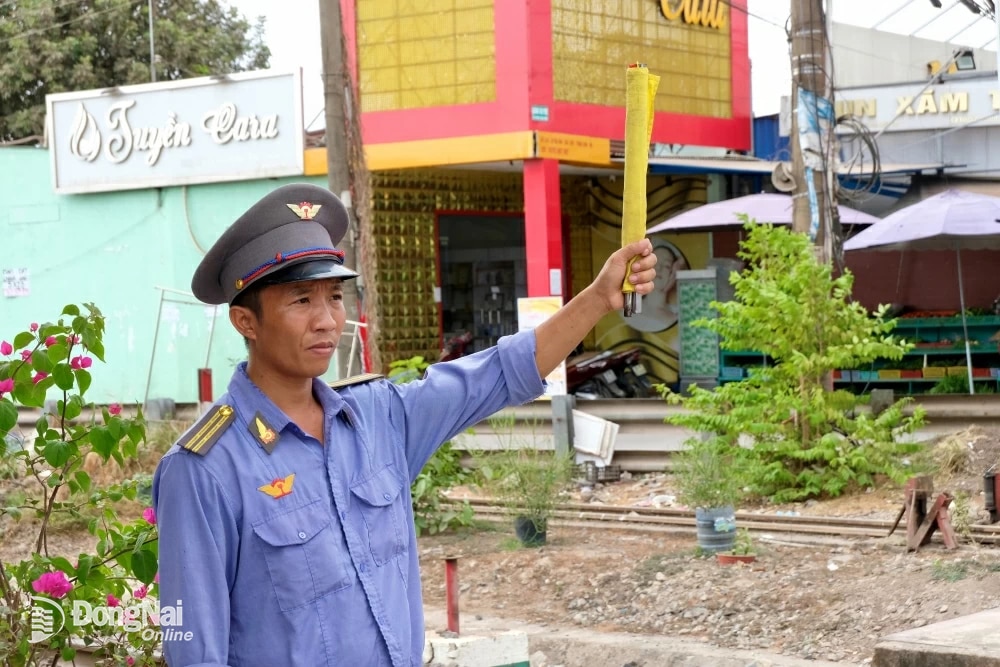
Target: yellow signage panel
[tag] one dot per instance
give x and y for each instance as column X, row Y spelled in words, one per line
column 443, row 152
column 572, row 148
column 706, row 13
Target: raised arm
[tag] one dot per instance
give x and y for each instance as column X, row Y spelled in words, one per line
column 557, row 336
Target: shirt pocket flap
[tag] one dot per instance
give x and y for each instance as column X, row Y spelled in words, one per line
column 295, row 527
column 381, row 489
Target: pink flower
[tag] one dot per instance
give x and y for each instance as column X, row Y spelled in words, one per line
column 39, row 376
column 54, row 583
column 130, row 661
column 114, row 409
column 149, row 514
column 140, row 592
column 80, row 362
column 6, row 386
column 26, row 355
column 6, row 348
column 113, row 601
column 34, row 327
column 50, row 341
column 74, row 339
column 156, row 579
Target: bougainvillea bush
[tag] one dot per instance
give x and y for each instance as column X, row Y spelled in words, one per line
column 52, row 604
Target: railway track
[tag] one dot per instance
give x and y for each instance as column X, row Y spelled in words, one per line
column 676, row 520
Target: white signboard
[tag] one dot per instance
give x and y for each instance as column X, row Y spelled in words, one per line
column 16, row 282
column 237, row 127
column 532, row 311
column 951, row 104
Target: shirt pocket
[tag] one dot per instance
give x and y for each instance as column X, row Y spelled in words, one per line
column 304, row 558
column 383, row 509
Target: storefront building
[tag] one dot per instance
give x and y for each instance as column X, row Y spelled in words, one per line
column 490, row 130
column 491, row 133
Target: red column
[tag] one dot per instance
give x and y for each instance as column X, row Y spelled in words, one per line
column 543, row 227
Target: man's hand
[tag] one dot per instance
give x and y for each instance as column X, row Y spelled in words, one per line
column 608, row 283
column 556, row 337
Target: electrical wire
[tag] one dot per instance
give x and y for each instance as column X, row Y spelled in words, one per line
column 39, row 31
column 867, row 152
column 44, row 9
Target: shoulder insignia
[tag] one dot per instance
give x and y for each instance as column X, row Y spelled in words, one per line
column 263, row 432
column 206, row 431
column 357, row 379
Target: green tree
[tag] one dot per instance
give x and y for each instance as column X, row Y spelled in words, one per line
column 53, row 46
column 807, row 441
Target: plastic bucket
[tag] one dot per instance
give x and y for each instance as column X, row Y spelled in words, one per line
column 716, row 528
column 528, row 532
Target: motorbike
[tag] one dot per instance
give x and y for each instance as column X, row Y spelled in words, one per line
column 455, row 346
column 608, row 374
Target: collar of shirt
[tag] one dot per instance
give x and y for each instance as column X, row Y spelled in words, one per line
column 249, row 400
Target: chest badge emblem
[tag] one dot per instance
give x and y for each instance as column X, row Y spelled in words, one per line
column 279, row 487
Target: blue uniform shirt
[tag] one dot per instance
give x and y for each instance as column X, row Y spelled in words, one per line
column 307, row 555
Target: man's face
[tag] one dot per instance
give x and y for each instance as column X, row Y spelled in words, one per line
column 300, row 324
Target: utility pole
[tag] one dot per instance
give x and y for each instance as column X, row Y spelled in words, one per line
column 335, row 92
column 813, row 156
column 152, row 42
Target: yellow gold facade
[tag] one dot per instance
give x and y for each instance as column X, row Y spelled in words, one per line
column 404, row 204
column 593, row 41
column 424, row 53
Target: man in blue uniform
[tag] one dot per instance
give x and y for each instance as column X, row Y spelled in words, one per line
column 286, row 533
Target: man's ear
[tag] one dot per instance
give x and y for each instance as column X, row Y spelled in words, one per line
column 244, row 321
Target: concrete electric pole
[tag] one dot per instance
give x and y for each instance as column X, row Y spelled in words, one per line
column 813, row 154
column 336, row 93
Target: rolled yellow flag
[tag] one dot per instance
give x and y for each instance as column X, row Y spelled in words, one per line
column 640, row 91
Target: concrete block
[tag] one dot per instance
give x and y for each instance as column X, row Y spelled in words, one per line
column 966, row 641
column 504, row 649
column 160, row 409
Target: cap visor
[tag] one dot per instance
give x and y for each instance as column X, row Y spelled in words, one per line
column 314, row 270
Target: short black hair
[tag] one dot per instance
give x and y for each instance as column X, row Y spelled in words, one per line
column 250, row 299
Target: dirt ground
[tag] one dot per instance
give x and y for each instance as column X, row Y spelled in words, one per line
column 821, row 598
column 824, row 598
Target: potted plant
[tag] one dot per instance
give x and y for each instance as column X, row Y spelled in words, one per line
column 709, row 475
column 743, row 550
column 527, row 482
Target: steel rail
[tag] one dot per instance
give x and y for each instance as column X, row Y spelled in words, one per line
column 669, row 518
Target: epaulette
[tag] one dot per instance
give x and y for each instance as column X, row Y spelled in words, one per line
column 208, row 429
column 356, row 379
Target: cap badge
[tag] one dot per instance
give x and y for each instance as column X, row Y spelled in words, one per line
column 305, row 210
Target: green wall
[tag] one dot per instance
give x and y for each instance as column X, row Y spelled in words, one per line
column 115, row 250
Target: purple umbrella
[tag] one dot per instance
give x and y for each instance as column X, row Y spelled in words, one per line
column 952, row 219
column 775, row 209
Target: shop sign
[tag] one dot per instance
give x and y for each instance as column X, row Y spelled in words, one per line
column 706, row 13
column 572, row 148
column 532, row 311
column 212, row 129
column 952, row 104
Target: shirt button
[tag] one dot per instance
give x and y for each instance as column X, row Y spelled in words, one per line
column 387, row 496
column 343, row 516
column 363, row 567
column 302, row 535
